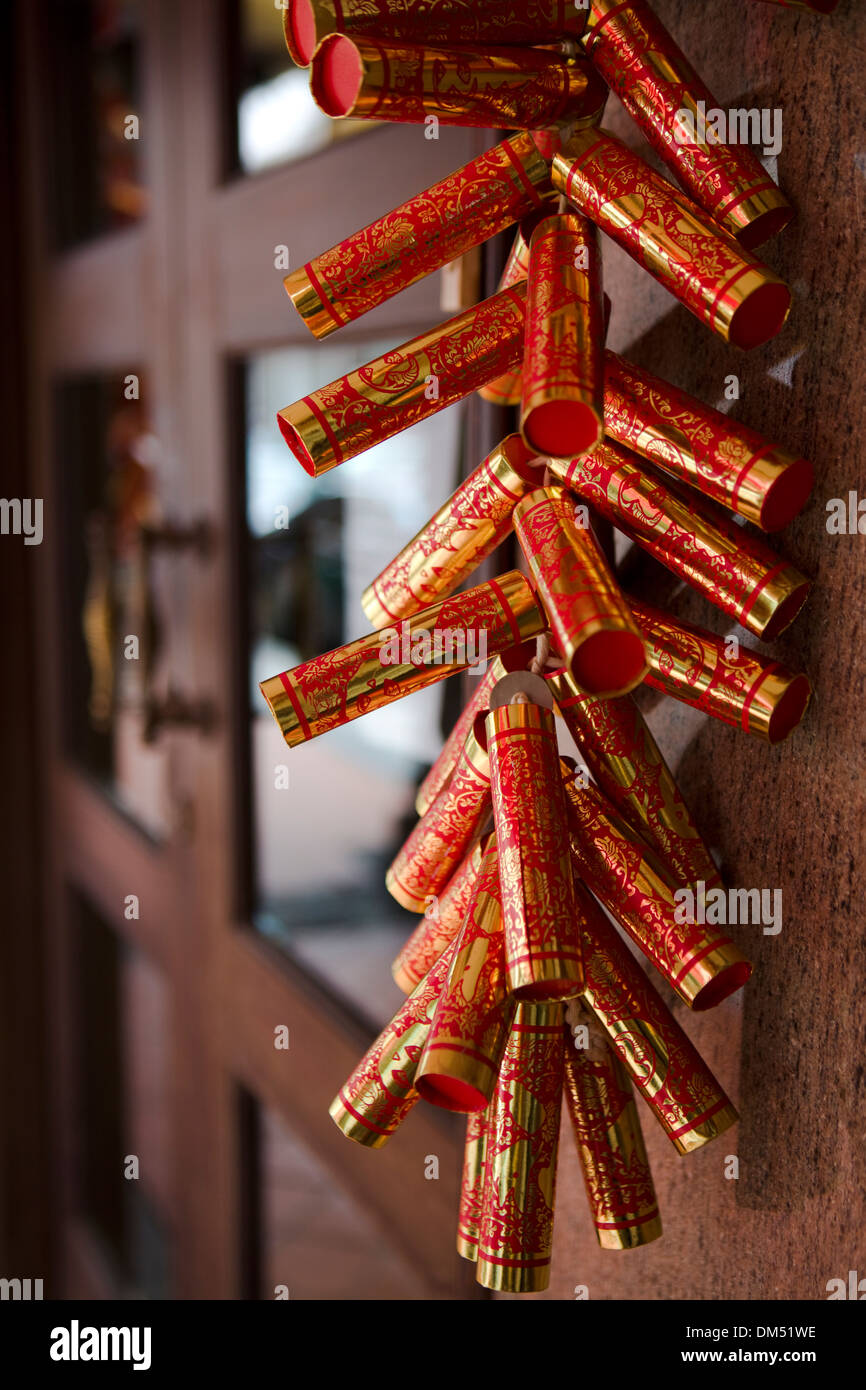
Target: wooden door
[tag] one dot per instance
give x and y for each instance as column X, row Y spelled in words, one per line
column 196, row 913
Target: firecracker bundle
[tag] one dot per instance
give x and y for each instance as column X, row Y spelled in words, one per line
column 522, row 997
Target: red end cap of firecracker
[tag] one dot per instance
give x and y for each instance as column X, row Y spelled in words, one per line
column 562, row 429
column 609, row 660
column 450, row 1093
column 765, row 227
column 760, row 317
column 788, row 495
column 337, row 75
column 300, row 30
column 790, row 709
column 297, row 446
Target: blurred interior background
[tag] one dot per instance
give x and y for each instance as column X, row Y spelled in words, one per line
column 169, row 165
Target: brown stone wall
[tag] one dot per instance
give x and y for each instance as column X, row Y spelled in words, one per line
column 792, row 1048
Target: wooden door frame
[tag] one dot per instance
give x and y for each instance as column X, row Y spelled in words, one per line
column 26, row 1215
column 112, row 304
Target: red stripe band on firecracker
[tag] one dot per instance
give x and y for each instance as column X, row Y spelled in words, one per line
column 497, row 482
column 611, row 14
column 506, row 608
column 740, row 197
column 722, row 295
column 290, row 691
column 521, row 174
column 645, row 1216
column 326, row 428
column 323, row 295
column 586, row 154
column 501, row 734
column 385, row 89
column 764, row 452
column 363, row 1119
column 701, row 1119
column 527, row 1263
column 759, row 588
column 744, row 473
column 750, row 698
column 382, row 604
column 719, row 944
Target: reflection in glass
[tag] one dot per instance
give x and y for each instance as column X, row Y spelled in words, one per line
column 322, row 844
column 98, row 127
column 277, row 119
column 107, row 471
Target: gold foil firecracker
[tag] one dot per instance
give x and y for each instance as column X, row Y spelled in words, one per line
column 330, row 690
column 697, row 960
column 517, row 265
column 307, row 22
column 592, row 625
column 420, row 236
column 443, row 917
column 627, row 765
column 407, row 384
column 516, row 1228
column 549, row 141
column 607, row 1132
column 434, row 850
column 471, row 1184
column 542, row 944
column 740, row 687
column 695, row 540
column 508, row 389
column 670, row 236
column 723, row 459
column 496, row 88
column 466, row 529
column 467, row 1037
column 379, row 1094
column 515, row 659
column 667, row 1071
column 562, row 405
column 661, row 91
column 505, row 390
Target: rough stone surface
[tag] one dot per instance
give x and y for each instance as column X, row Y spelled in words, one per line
column 791, row 1050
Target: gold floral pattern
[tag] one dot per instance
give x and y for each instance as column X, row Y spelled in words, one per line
column 654, row 80
column 626, row 876
column 616, row 1171
column 516, row 1228
column 725, row 460
column 739, row 687
column 542, row 945
column 735, row 570
column 420, row 236
column 669, row 235
column 666, row 1069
